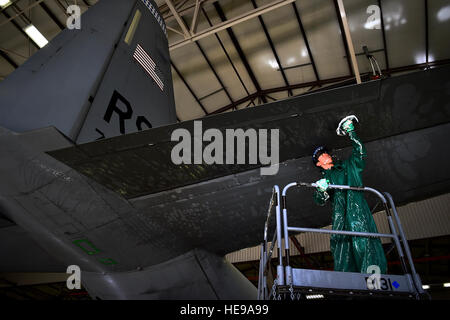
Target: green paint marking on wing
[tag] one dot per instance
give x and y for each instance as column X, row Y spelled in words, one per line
column 107, row 261
column 86, row 246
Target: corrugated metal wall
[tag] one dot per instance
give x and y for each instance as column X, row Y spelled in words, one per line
column 424, row 219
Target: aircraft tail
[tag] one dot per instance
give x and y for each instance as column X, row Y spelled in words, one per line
column 108, row 78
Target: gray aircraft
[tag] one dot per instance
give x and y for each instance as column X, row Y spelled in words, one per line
column 86, row 176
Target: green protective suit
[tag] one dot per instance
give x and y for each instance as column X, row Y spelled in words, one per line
column 351, row 213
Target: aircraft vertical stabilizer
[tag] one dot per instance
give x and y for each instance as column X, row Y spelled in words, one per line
column 109, row 78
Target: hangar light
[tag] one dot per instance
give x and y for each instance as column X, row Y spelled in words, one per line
column 4, row 3
column 35, row 35
column 447, row 285
column 425, row 287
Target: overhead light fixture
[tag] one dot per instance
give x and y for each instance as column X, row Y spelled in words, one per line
column 315, row 296
column 35, row 35
column 425, row 287
column 4, row 3
column 273, row 64
column 444, row 14
column 447, row 285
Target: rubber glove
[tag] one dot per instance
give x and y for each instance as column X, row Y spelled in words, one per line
column 322, row 184
column 348, row 126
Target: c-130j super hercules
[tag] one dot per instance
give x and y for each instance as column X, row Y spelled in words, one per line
column 141, row 227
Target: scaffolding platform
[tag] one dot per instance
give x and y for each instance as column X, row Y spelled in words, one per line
column 298, row 284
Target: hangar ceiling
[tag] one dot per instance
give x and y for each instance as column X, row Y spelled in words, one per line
column 294, row 47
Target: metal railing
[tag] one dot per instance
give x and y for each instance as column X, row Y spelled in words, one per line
column 266, row 255
column 284, row 273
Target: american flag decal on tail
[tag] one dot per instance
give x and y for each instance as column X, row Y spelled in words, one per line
column 149, row 66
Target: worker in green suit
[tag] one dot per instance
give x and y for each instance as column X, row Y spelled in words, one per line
column 350, row 210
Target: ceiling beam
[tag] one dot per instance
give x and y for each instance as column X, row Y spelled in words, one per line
column 255, row 95
column 13, row 53
column 189, row 88
column 341, row 28
column 422, row 66
column 211, row 67
column 226, row 53
column 427, row 38
column 262, row 93
column 305, row 39
column 214, row 71
column 168, row 16
column 52, row 16
column 16, row 25
column 180, row 4
column 194, row 24
column 175, row 30
column 274, row 51
column 383, row 30
column 348, row 39
column 179, row 20
column 8, row 59
column 62, row 7
column 18, row 14
column 231, row 22
column 12, row 2
column 239, row 50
